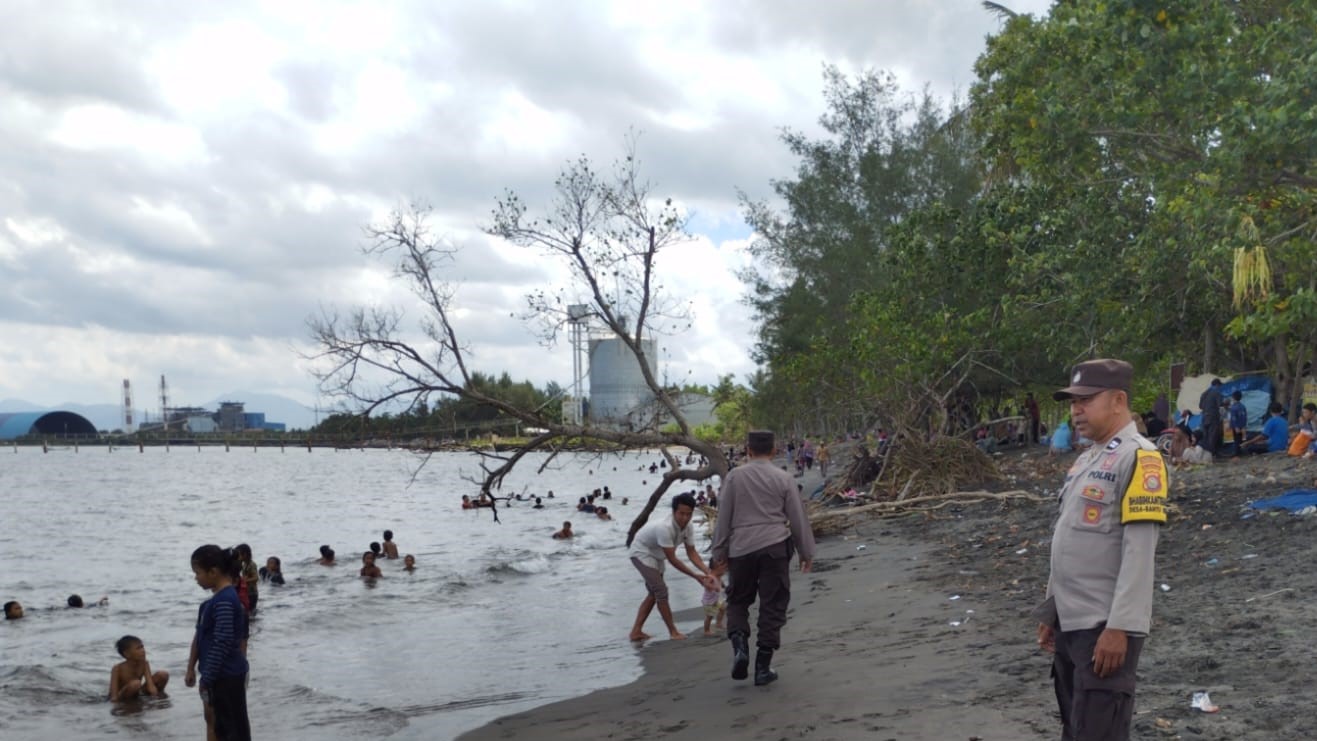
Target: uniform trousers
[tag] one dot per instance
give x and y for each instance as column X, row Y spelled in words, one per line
column 1093, row 708
column 766, row 573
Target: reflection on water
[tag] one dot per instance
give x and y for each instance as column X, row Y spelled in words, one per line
column 467, row 637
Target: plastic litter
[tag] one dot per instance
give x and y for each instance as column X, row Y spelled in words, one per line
column 1247, row 556
column 1212, row 562
column 1310, row 509
column 861, row 547
column 1022, row 551
column 954, row 597
column 1166, row 587
column 1201, row 701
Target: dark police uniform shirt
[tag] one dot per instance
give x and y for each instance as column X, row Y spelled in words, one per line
column 1104, row 544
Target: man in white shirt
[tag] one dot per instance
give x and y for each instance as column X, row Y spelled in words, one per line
column 656, row 544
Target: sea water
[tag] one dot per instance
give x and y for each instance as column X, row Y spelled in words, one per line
column 497, row 618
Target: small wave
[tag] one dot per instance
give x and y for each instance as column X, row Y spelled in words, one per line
column 471, row 702
column 537, row 564
column 37, row 686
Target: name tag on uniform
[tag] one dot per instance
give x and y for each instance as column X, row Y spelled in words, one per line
column 1145, row 499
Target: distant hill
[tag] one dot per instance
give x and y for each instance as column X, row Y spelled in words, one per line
column 110, row 416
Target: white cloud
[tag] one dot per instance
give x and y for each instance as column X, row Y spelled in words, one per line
column 184, row 184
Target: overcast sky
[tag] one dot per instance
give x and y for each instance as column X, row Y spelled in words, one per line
column 183, row 184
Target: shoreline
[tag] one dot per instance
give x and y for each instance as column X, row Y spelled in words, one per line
column 868, row 652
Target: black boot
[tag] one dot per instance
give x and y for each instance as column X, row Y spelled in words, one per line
column 740, row 655
column 763, row 674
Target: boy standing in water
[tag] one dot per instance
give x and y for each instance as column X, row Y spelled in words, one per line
column 390, row 548
column 133, row 676
column 221, row 625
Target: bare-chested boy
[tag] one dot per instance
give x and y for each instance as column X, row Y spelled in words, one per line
column 133, row 676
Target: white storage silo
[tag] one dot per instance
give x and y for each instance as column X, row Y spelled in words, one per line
column 617, row 386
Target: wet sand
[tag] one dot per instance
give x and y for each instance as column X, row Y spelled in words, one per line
column 870, row 652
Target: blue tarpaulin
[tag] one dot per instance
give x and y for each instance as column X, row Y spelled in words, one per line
column 1256, row 391
column 1292, row 501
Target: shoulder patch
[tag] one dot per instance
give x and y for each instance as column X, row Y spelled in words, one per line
column 1115, row 443
column 1145, row 499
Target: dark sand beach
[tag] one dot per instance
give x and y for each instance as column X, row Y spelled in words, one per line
column 870, row 651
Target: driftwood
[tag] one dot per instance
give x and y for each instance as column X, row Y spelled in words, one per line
column 825, row 521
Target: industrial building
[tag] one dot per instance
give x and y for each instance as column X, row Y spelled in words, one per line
column 54, row 424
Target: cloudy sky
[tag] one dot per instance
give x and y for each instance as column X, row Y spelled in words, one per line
column 183, row 184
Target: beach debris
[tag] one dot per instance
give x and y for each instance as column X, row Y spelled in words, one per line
column 1202, row 701
column 954, row 597
column 861, row 547
column 1269, row 594
column 1166, row 587
column 1163, row 724
column 1310, row 509
column 1211, row 562
column 1207, row 526
column 1022, row 551
column 1247, row 556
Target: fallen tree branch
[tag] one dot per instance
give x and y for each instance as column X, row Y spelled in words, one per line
column 829, row 520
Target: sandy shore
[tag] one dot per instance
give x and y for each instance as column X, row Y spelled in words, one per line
column 869, row 652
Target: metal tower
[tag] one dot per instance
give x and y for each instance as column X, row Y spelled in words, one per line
column 164, row 403
column 578, row 319
column 127, row 406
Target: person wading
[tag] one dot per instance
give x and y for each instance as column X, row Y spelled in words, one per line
column 1098, row 606
column 760, row 524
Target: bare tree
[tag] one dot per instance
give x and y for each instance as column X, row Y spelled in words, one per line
column 609, row 232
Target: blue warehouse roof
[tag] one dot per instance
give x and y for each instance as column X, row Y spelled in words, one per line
column 44, row 423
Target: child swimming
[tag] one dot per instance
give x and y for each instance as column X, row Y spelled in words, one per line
column 368, row 567
column 221, row 627
column 133, row 676
column 409, row 562
column 272, row 571
column 13, row 610
column 326, row 556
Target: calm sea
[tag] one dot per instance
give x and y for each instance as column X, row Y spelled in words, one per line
column 497, row 618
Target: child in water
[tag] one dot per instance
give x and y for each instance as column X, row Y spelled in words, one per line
column 133, row 676
column 713, row 602
column 221, row 627
column 390, row 548
column 251, row 577
column 565, row 533
column 326, row 556
column 368, row 567
column 13, row 610
column 409, row 562
column 272, row 571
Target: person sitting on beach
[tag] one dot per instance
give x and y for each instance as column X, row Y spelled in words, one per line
column 409, row 562
column 1307, row 430
column 133, row 676
column 467, row 503
column 1275, row 435
column 565, row 533
column 272, row 571
column 326, row 556
column 714, row 600
column 539, row 503
column 368, row 567
column 13, row 610
column 390, row 548
column 76, row 601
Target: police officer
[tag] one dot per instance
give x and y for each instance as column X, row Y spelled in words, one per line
column 1099, row 592
column 761, row 522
